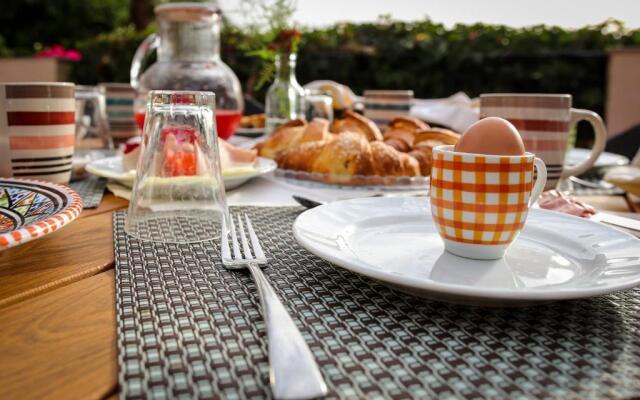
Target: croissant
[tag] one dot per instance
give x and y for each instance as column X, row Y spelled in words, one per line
column 349, row 154
column 353, row 122
column 424, row 143
column 424, row 158
column 401, row 132
column 435, row 137
column 408, row 123
column 387, row 161
column 398, row 144
column 302, row 157
column 292, row 134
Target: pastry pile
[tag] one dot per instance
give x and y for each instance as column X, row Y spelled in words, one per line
column 354, row 146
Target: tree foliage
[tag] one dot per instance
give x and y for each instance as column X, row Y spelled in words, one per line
column 426, row 56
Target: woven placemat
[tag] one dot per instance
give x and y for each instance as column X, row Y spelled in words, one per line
column 90, row 190
column 188, row 328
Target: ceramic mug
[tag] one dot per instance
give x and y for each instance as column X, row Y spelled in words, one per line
column 119, row 100
column 545, row 122
column 382, row 106
column 479, row 202
column 37, row 130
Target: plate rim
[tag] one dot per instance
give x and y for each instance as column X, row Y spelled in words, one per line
column 622, row 160
column 48, row 225
column 264, row 166
column 465, row 291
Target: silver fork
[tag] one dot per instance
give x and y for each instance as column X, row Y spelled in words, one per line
column 293, row 372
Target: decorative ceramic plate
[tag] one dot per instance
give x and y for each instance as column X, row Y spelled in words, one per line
column 577, row 156
column 394, row 240
column 112, row 168
column 30, row 209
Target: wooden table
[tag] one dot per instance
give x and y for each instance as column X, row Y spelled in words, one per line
column 57, row 309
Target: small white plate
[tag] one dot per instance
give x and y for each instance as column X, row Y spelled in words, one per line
column 250, row 132
column 112, row 168
column 576, row 156
column 394, row 240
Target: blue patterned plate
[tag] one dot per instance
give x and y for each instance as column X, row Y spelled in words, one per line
column 30, row 209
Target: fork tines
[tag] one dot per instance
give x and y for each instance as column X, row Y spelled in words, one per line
column 248, row 253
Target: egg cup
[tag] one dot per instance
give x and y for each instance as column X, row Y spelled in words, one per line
column 480, row 202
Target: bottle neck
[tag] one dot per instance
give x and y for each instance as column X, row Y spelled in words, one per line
column 190, row 41
column 286, row 67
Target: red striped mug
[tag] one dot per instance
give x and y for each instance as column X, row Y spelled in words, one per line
column 545, row 122
column 37, row 130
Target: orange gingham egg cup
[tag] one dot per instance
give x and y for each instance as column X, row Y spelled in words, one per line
column 480, row 202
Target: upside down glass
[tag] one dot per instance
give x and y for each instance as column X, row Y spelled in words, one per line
column 178, row 195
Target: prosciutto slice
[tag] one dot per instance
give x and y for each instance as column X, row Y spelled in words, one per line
column 556, row 201
column 230, row 155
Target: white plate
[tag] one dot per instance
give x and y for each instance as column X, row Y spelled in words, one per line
column 577, row 155
column 557, row 256
column 250, row 132
column 112, row 168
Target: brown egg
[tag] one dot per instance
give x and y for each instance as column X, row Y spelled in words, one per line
column 491, row 135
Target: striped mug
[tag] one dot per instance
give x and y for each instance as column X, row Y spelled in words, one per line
column 479, row 203
column 545, row 122
column 37, row 130
column 119, row 99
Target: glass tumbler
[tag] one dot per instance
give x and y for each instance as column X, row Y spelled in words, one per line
column 318, row 105
column 92, row 127
column 178, row 195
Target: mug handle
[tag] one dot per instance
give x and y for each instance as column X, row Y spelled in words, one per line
column 541, row 181
column 598, row 146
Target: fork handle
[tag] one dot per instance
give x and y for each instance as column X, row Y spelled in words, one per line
column 294, row 373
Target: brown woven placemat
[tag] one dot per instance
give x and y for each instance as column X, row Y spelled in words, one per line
column 188, row 328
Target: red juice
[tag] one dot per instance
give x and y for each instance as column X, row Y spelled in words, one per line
column 227, row 121
column 139, row 116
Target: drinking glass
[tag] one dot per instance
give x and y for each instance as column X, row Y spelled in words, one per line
column 92, row 128
column 318, row 105
column 178, row 195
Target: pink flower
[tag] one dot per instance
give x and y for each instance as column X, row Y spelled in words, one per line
column 57, row 51
column 72, row 55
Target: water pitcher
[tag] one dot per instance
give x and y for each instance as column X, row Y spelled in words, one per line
column 188, row 47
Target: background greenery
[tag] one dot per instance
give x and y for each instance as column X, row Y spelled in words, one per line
column 431, row 59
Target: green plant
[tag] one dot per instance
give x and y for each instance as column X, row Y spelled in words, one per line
column 273, row 34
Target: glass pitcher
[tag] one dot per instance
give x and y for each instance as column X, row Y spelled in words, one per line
column 188, row 46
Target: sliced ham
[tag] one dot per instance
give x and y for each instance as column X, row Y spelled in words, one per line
column 556, row 201
column 232, row 156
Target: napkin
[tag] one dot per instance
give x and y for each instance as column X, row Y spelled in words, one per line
column 457, row 112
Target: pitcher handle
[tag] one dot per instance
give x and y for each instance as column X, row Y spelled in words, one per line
column 541, row 181
column 149, row 44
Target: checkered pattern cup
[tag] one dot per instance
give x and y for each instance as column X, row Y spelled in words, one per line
column 480, row 202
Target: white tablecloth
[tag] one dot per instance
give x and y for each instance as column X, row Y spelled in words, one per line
column 272, row 191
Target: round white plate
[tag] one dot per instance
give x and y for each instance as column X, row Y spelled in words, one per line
column 250, row 132
column 394, row 240
column 576, row 156
column 112, row 168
